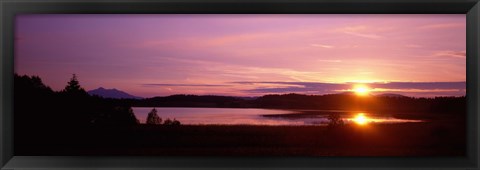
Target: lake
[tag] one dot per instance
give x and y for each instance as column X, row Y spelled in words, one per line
column 250, row 116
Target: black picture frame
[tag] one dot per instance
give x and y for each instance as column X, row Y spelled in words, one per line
column 10, row 8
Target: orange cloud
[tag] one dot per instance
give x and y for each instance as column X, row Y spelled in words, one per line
column 454, row 54
column 443, row 26
column 322, row 45
column 362, row 31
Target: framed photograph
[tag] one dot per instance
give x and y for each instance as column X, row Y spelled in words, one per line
column 225, row 84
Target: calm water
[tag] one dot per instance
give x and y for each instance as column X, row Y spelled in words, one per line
column 241, row 116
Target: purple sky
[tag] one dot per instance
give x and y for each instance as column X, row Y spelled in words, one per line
column 246, row 55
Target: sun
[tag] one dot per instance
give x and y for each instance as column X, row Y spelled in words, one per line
column 360, row 119
column 361, row 90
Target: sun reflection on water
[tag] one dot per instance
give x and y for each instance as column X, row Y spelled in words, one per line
column 364, row 119
column 361, row 119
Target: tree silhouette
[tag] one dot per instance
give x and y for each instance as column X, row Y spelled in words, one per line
column 168, row 122
column 37, row 83
column 153, row 118
column 175, row 122
column 73, row 86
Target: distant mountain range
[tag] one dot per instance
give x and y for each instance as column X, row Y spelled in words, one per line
column 112, row 93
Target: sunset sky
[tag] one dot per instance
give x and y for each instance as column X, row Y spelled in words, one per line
column 246, row 55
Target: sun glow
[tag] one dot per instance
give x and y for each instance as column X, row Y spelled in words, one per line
column 360, row 119
column 361, row 90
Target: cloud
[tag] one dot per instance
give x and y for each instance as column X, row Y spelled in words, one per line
column 295, row 87
column 420, row 85
column 330, row 61
column 404, row 88
column 187, row 85
column 370, row 36
column 255, row 37
column 238, row 38
column 355, row 28
column 416, row 90
column 454, row 54
column 361, row 31
column 413, row 46
column 443, row 26
column 322, row 45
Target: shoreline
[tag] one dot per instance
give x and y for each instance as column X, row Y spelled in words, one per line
column 296, row 117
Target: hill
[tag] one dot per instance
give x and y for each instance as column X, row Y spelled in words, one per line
column 112, row 93
column 340, row 101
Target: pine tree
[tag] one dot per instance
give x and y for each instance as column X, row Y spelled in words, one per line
column 153, row 118
column 73, row 85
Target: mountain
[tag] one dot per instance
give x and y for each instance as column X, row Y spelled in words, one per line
column 112, row 93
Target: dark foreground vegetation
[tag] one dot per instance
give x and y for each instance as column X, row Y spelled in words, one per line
column 71, row 122
column 415, row 139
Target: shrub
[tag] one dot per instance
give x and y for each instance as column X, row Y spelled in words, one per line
column 175, row 122
column 153, row 118
column 168, row 122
